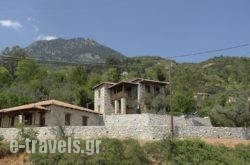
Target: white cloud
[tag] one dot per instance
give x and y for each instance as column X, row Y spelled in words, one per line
column 48, row 37
column 11, row 24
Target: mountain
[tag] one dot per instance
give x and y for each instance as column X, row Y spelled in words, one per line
column 71, row 50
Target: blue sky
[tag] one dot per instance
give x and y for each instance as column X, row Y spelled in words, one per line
column 133, row 27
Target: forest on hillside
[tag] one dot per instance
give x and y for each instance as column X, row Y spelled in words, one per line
column 23, row 80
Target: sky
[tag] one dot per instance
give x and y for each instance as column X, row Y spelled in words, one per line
column 163, row 28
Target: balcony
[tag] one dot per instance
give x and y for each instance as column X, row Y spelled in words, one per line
column 118, row 95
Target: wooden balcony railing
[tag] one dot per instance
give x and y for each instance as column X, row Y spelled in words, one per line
column 119, row 95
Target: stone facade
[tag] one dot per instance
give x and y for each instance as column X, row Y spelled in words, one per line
column 56, row 116
column 129, row 97
column 146, row 93
column 102, row 100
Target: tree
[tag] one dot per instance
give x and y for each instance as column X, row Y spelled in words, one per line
column 26, row 70
column 8, row 99
column 184, row 102
column 11, row 58
column 4, row 76
column 112, row 75
column 112, row 61
column 160, row 102
column 160, row 75
column 78, row 75
column 83, row 97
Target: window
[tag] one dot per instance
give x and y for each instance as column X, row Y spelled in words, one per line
column 99, row 93
column 84, row 120
column 119, row 106
column 148, row 88
column 28, row 118
column 67, row 118
column 157, row 90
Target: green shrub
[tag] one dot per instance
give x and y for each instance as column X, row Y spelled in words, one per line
column 167, row 151
column 112, row 151
column 1, row 138
column 194, row 151
column 24, row 133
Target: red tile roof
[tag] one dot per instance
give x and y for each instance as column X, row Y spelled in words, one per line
column 40, row 106
column 108, row 83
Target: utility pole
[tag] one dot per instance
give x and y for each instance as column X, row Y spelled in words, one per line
column 170, row 99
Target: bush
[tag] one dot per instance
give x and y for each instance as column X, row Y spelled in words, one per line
column 167, row 151
column 112, row 151
column 1, row 138
column 194, row 151
column 25, row 133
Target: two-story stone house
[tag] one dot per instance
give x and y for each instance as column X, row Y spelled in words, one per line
column 128, row 97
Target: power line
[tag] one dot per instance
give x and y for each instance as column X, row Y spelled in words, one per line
column 209, row 51
column 103, row 64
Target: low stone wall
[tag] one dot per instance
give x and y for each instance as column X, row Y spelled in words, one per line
column 214, row 132
column 139, row 126
column 9, row 133
column 85, row 132
column 139, row 132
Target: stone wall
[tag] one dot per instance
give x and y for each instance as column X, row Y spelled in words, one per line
column 214, row 132
column 154, row 119
column 143, row 126
column 139, row 132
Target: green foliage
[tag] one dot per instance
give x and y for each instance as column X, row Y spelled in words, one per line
column 1, row 138
column 4, row 149
column 8, row 99
column 23, row 81
column 167, row 151
column 112, row 151
column 4, row 76
column 223, row 113
column 159, row 102
column 26, row 70
column 174, row 151
column 14, row 55
column 112, row 75
column 184, row 102
column 25, row 133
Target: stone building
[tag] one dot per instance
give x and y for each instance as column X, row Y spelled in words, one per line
column 130, row 97
column 49, row 113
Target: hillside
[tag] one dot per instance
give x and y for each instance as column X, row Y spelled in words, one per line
column 219, row 78
column 167, row 151
column 71, row 50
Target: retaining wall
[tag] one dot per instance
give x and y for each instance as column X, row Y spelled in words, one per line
column 139, row 126
column 139, row 132
column 153, row 119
